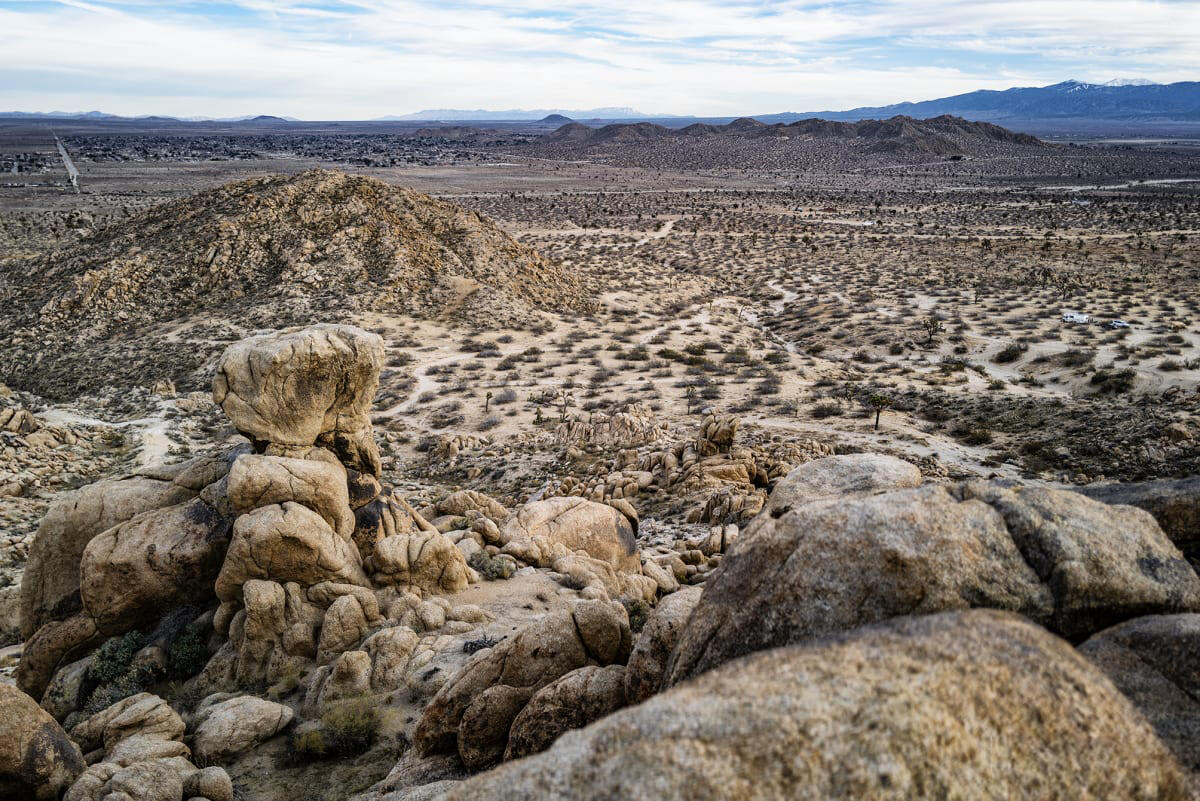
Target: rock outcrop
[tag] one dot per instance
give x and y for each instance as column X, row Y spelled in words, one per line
column 1153, row 660
column 37, row 759
column 1070, row 563
column 944, row 706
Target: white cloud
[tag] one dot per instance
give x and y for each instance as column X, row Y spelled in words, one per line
column 366, row 58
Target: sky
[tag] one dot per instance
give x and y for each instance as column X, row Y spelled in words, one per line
column 363, row 59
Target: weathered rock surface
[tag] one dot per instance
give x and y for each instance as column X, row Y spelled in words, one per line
column 256, row 481
column 50, row 584
column 158, row 560
column 236, row 725
column 962, row 705
column 572, row 702
column 37, row 759
column 140, row 715
column 1155, row 662
column 656, row 642
column 841, row 476
column 1056, row 557
column 594, row 632
column 542, row 530
column 424, row 559
column 300, row 388
column 1175, row 504
column 286, row 542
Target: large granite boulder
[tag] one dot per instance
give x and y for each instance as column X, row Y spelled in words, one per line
column 256, row 481
column 1155, row 661
column 50, row 583
column 540, row 531
column 977, row 704
column 592, row 633
column 1073, row 564
column 37, row 759
column 841, row 476
column 287, row 542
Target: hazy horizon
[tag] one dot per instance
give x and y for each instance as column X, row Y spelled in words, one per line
column 364, row 59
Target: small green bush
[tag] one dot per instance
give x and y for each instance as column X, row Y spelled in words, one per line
column 639, row 613
column 347, row 728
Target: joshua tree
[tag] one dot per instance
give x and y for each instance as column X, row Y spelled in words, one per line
column 878, row 402
column 563, row 400
column 690, row 397
column 933, row 327
column 487, row 399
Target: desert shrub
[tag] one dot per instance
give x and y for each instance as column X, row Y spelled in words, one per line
column 826, row 409
column 113, row 675
column 973, row 435
column 1169, row 365
column 1113, row 381
column 505, row 396
column 188, row 653
column 489, row 423
column 1077, row 358
column 347, row 728
column 1010, row 353
column 488, row 567
column 639, row 613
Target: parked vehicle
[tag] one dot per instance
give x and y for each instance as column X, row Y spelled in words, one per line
column 1075, row 317
column 1113, row 325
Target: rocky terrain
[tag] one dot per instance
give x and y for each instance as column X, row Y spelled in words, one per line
column 583, row 476
column 267, row 252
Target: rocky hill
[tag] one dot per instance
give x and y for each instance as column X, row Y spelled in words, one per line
column 945, row 135
column 267, row 251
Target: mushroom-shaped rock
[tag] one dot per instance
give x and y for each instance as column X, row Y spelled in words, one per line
column 286, row 542
column 594, row 632
column 37, row 759
column 572, row 702
column 230, row 727
column 839, row 476
column 957, row 705
column 296, row 388
column 256, row 481
column 158, row 560
column 1072, row 564
column 540, row 531
column 1154, row 660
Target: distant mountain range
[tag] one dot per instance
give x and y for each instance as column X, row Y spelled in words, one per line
column 455, row 114
column 100, row 115
column 1115, row 100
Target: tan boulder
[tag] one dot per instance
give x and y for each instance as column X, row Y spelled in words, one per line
column 140, row 715
column 424, row 559
column 572, row 702
column 594, row 632
column 56, row 643
column 231, row 727
column 656, row 641
column 977, row 704
column 300, row 387
column 840, row 476
column 1154, row 661
column 155, row 561
column 256, row 481
column 1056, row 557
column 37, row 759
column 540, row 531
column 457, row 504
column 286, row 542
column 50, row 584
column 483, row 733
